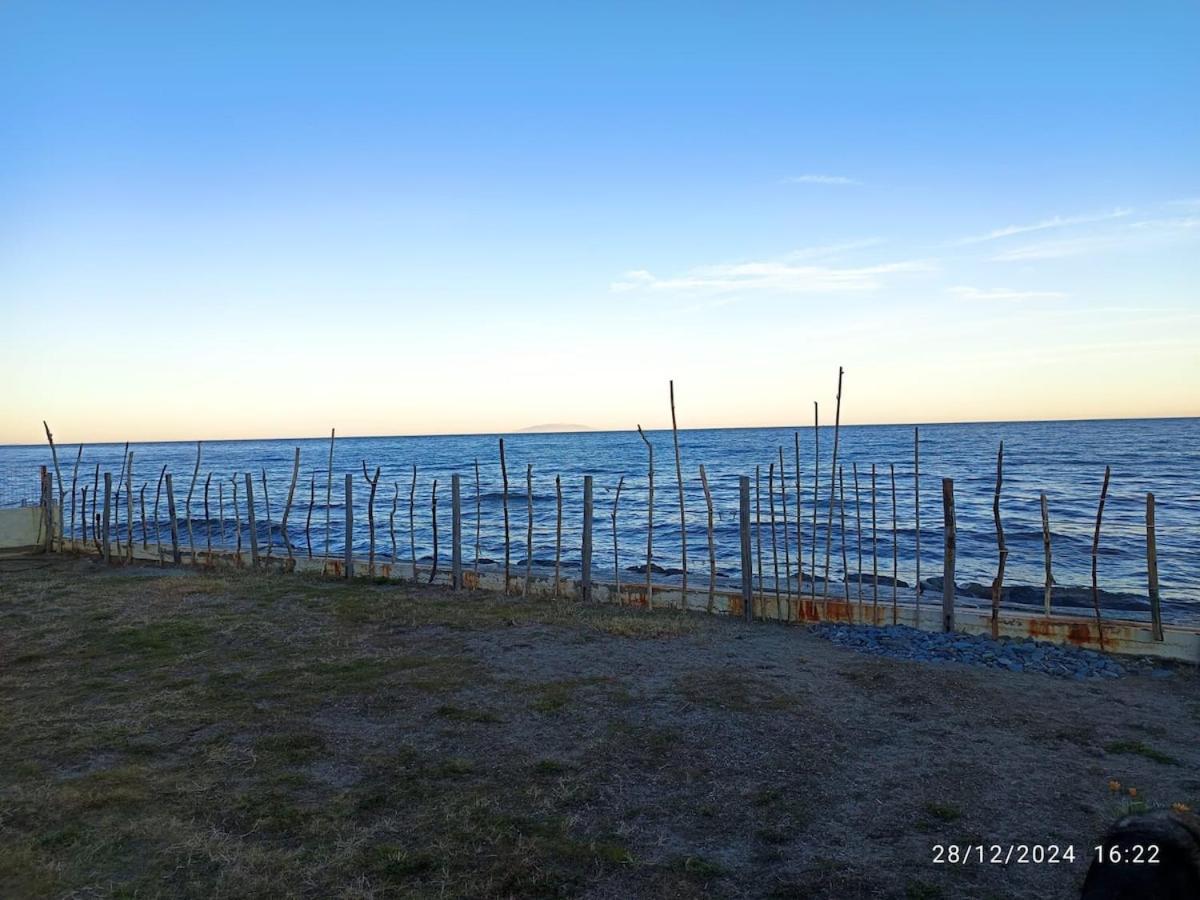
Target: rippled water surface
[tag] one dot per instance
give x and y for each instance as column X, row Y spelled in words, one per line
column 1065, row 460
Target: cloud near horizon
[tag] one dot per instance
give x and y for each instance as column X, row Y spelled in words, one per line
column 1005, row 294
column 770, row 276
column 1044, row 224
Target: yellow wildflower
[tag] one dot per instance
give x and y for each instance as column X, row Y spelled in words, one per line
column 1114, row 785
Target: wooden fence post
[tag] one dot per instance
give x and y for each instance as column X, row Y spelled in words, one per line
column 349, row 557
column 176, row 556
column 107, row 548
column 951, row 533
column 747, row 559
column 1046, row 551
column 46, row 529
column 456, row 531
column 586, row 578
column 251, row 520
column 1152, row 570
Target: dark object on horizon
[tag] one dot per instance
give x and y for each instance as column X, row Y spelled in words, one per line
column 1175, row 875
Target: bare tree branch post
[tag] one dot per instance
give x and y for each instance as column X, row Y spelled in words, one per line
column 744, row 540
column 348, row 552
column 842, row 514
column 998, row 582
column 712, row 547
column 682, row 509
column 312, row 500
column 412, row 522
column 585, row 550
column 287, row 507
column 1152, row 571
column 83, row 514
column 529, row 529
column 649, row 519
column 1046, row 550
column 479, row 516
column 252, row 522
column 950, row 530
column 74, row 481
column 176, row 555
column 237, row 524
column 758, row 527
column 616, row 550
column 917, row 511
column 221, row 507
column 895, row 552
column 157, row 530
column 95, row 491
column 837, row 421
column 433, row 507
column 267, row 509
column 58, row 475
column 799, row 530
column 188, row 504
column 1096, row 555
column 142, row 506
column 504, row 502
column 558, row 538
column 392, row 519
column 207, row 520
column 874, row 553
column 774, row 537
column 812, row 575
column 373, row 483
column 328, row 499
column 116, row 504
column 107, row 549
column 129, row 510
column 456, row 569
column 858, row 532
column 787, row 555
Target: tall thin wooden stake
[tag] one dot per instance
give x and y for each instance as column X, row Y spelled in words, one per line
column 349, row 550
column 479, row 516
column 950, row 528
column 412, row 522
column 107, row 501
column 207, row 520
column 895, row 553
column 837, row 421
column 504, row 501
column 758, row 525
column 173, row 516
column 83, row 514
column 1152, row 571
column 799, row 528
column 558, row 538
column 312, row 500
column 874, row 553
column 287, row 508
column 682, row 512
column 998, row 581
column 157, row 529
column 812, row 575
column 237, row 523
column 1096, row 555
column 1046, row 550
column 74, row 481
column 917, row 510
column 529, row 529
column 774, row 537
column 58, row 475
column 744, row 539
column 616, row 550
column 188, row 505
column 221, row 507
column 267, row 509
column 456, row 568
column 787, row 555
column 712, row 547
column 129, row 509
column 373, row 483
column 328, row 499
column 252, row 521
column 585, row 583
column 95, row 491
column 142, row 505
column 392, row 519
column 649, row 520
column 116, row 506
column 433, row 507
column 858, row 532
column 842, row 514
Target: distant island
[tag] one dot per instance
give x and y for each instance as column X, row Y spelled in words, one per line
column 552, row 427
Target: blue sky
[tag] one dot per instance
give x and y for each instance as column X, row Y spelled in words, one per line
column 224, row 220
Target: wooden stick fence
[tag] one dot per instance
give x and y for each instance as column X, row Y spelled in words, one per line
column 1046, row 549
column 529, row 529
column 774, row 537
column 787, row 557
column 456, row 567
column 998, row 582
column 504, row 500
column 557, row 539
column 837, row 421
column 372, row 483
column 682, row 509
column 712, row 547
column 649, row 519
column 1096, row 555
column 287, row 508
column 616, row 552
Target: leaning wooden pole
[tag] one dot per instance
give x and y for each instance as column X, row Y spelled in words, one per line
column 1096, row 555
column 528, row 529
column 504, row 502
column 682, row 509
column 237, row 525
column 774, row 537
column 157, row 530
column 252, row 521
column 392, row 521
column 712, row 547
column 787, row 555
column 433, row 507
column 1002, row 549
column 616, row 550
column 58, row 475
column 372, row 483
column 176, row 554
column 207, row 520
column 858, row 533
column 649, row 520
column 758, row 528
column 188, row 505
column 1046, row 550
column 116, row 509
column 105, row 542
column 845, row 560
column 312, row 500
column 267, row 510
column 837, row 421
column 412, row 522
column 129, row 510
column 558, row 537
column 328, row 499
column 287, row 508
column 1152, row 571
column 74, row 481
column 142, row 506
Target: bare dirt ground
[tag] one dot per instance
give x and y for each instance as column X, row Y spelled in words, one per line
column 230, row 735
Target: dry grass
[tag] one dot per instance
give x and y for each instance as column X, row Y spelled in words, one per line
column 170, row 734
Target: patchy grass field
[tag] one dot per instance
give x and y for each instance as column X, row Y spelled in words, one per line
column 173, row 734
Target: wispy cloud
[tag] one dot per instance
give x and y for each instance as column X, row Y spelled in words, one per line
column 1044, row 224
column 771, row 276
column 813, row 178
column 1002, row 294
column 1131, row 236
